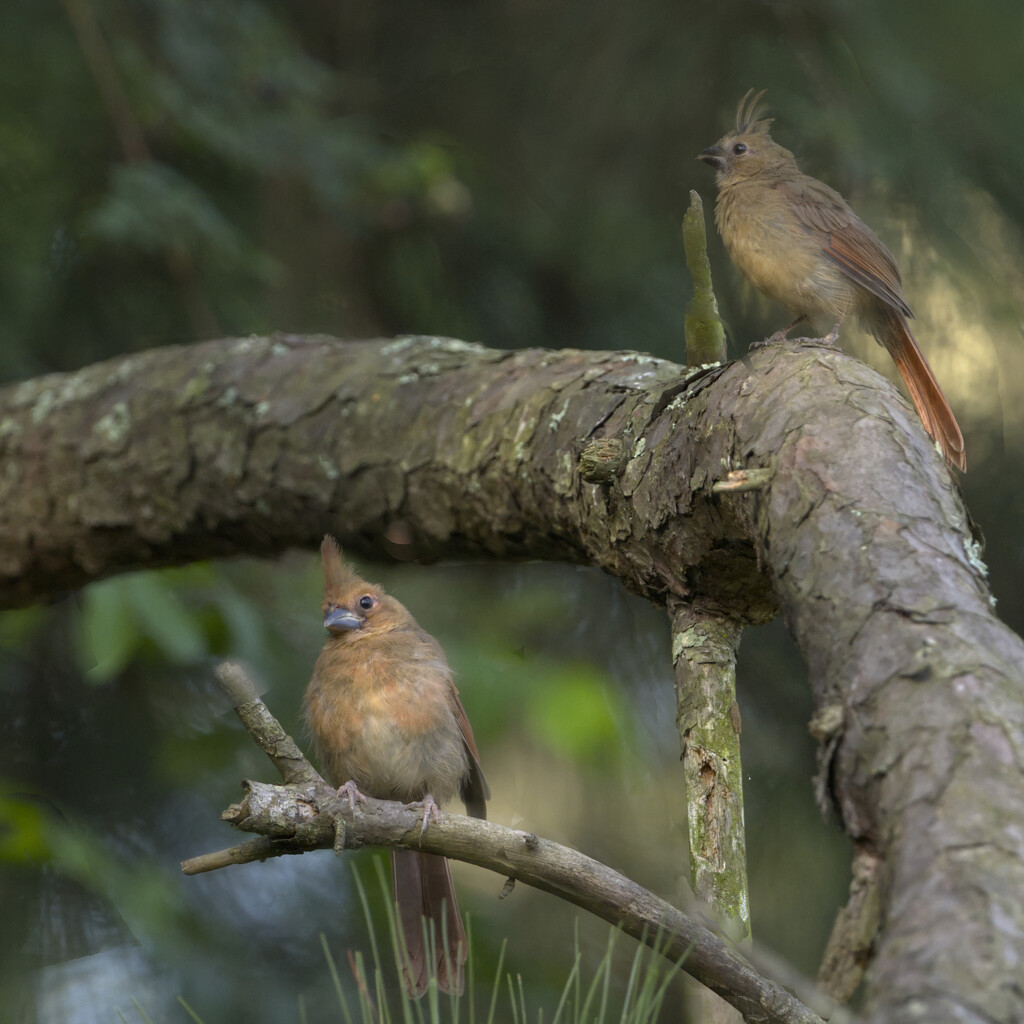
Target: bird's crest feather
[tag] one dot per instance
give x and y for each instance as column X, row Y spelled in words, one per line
column 750, row 114
column 338, row 577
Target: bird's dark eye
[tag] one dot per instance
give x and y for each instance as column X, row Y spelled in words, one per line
column 739, row 149
column 366, row 602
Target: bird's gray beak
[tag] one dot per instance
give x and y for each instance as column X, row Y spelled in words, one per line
column 713, row 155
column 340, row 620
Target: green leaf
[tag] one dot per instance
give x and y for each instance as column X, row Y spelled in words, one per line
column 151, row 207
column 164, row 619
column 107, row 633
column 577, row 715
column 119, row 615
column 23, row 838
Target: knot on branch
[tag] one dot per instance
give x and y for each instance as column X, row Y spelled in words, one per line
column 284, row 812
column 602, row 460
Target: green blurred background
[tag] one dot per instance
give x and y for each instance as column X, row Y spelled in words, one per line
column 512, row 173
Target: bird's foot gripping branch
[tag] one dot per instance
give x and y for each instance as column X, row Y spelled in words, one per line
column 306, row 813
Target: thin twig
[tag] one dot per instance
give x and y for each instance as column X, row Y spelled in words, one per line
column 264, row 728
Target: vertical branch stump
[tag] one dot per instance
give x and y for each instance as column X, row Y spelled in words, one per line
column 705, row 335
column 704, row 649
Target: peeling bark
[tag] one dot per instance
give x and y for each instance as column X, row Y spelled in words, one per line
column 859, row 537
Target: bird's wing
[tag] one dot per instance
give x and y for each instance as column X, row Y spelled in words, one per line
column 475, row 791
column 848, row 242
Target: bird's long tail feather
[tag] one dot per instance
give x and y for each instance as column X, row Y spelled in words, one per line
column 423, row 889
column 929, row 401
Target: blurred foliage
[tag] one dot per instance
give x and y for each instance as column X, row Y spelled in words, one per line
column 505, row 172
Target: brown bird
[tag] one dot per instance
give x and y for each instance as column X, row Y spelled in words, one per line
column 387, row 722
column 797, row 241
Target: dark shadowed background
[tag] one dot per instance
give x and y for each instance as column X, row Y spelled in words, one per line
column 512, row 173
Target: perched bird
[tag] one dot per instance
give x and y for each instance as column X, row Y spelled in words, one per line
column 387, row 722
column 797, row 241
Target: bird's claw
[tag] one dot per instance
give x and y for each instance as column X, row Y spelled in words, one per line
column 779, row 336
column 350, row 792
column 833, row 336
column 773, row 339
column 431, row 812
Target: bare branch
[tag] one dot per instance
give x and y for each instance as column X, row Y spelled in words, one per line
column 263, row 727
column 295, row 819
column 310, row 815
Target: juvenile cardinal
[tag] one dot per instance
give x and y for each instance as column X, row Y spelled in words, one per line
column 797, row 241
column 387, row 722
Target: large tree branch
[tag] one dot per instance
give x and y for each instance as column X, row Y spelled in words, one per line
column 258, row 444
column 429, row 448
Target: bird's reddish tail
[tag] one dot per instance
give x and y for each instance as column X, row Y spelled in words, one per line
column 423, row 889
column 929, row 401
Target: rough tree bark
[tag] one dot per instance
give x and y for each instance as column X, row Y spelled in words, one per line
column 856, row 534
